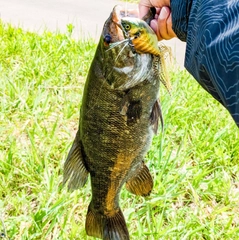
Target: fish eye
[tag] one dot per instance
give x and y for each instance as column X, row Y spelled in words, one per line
column 127, row 27
column 107, row 38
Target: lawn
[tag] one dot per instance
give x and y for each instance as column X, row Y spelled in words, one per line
column 194, row 161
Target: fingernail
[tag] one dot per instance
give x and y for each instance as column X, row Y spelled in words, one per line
column 164, row 13
column 154, row 25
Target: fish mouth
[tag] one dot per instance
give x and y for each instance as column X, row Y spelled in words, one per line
column 125, row 67
column 113, row 31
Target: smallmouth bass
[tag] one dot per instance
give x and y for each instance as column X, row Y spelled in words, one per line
column 119, row 114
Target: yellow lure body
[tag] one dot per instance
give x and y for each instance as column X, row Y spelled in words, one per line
column 145, row 40
column 143, row 37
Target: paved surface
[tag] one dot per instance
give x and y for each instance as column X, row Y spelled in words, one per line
column 87, row 17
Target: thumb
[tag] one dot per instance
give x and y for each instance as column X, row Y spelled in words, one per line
column 144, row 6
column 145, row 3
column 143, row 10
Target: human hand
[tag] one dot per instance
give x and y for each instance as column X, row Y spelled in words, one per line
column 162, row 23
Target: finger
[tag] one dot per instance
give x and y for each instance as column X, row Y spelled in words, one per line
column 146, row 3
column 171, row 33
column 154, row 26
column 164, row 23
column 158, row 10
column 143, row 10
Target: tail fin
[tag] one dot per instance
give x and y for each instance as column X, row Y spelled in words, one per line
column 142, row 183
column 74, row 168
column 106, row 227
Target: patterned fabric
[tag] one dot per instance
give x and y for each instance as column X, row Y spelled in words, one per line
column 211, row 30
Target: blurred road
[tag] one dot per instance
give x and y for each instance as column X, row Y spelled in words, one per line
column 87, row 17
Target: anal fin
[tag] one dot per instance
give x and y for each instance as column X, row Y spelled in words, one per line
column 106, row 227
column 142, row 183
column 75, row 172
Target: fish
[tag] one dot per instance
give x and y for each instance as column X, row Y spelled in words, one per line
column 119, row 116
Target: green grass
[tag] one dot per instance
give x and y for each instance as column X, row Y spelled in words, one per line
column 194, row 161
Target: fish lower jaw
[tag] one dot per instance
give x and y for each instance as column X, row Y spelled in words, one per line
column 136, row 74
column 125, row 70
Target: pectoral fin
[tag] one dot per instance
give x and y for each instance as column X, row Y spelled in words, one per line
column 134, row 112
column 132, row 109
column 75, row 172
column 142, row 183
column 155, row 115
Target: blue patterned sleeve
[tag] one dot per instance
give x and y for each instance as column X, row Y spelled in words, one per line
column 211, row 31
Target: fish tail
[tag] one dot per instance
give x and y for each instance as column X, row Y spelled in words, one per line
column 75, row 172
column 106, row 227
column 142, row 183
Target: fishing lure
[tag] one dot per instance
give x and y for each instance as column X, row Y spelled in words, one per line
column 144, row 40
